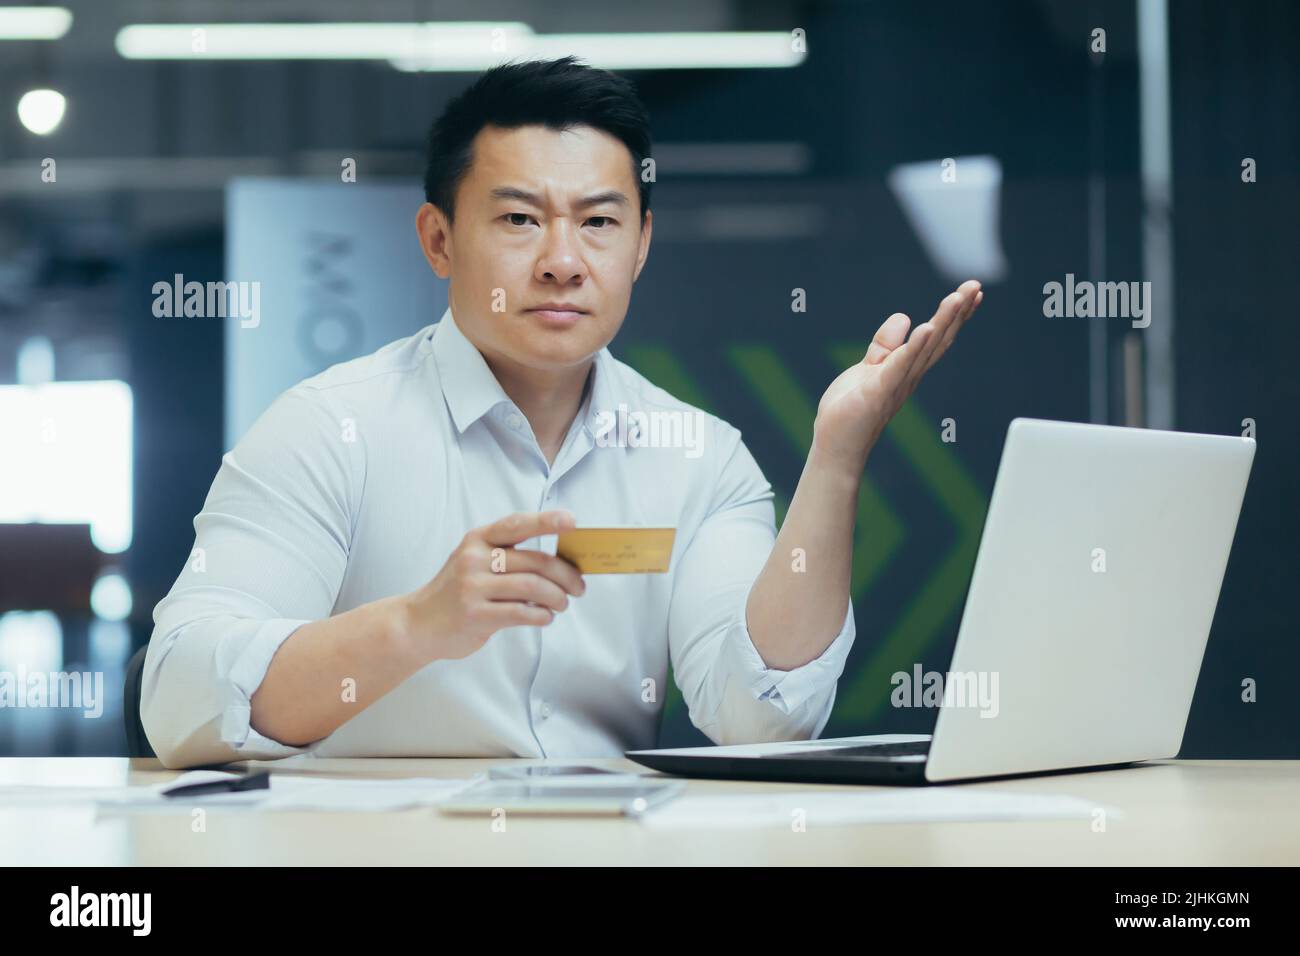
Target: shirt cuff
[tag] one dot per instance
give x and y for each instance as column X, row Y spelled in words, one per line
column 790, row 690
column 245, row 677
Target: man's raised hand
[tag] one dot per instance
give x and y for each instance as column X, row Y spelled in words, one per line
column 860, row 402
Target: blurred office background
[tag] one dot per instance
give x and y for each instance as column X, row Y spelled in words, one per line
column 867, row 153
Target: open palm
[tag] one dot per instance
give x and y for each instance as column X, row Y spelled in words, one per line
column 864, row 397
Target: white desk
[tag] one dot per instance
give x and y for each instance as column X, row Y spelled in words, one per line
column 1176, row 813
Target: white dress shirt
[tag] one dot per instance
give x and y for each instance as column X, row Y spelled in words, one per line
column 357, row 484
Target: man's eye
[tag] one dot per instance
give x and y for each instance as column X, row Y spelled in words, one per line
column 513, row 217
column 601, row 222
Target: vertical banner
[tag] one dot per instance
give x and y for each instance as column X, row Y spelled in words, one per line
column 333, row 271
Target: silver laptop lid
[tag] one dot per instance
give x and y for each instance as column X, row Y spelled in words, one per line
column 1091, row 598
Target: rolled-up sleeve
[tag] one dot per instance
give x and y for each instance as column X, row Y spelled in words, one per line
column 270, row 552
column 732, row 695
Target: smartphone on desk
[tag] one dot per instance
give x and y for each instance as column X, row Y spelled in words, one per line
column 553, row 797
column 548, row 771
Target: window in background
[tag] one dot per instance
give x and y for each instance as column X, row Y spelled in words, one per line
column 67, row 449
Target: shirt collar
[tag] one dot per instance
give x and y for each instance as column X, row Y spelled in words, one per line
column 471, row 390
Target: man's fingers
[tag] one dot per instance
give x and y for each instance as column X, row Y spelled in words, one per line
column 903, row 359
column 891, row 334
column 943, row 318
column 904, row 362
column 502, row 614
column 526, row 586
column 522, row 525
column 947, row 320
column 974, row 295
column 957, row 327
column 510, row 560
column 953, row 310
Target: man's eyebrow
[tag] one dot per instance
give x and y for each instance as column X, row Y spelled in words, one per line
column 523, row 195
column 512, row 192
column 599, row 199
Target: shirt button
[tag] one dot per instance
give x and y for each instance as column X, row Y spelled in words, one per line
column 546, row 710
column 514, row 421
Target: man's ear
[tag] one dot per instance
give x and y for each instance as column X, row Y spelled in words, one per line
column 644, row 249
column 435, row 238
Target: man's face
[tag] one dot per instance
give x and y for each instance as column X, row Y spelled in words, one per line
column 543, row 218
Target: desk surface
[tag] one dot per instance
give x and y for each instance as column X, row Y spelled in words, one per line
column 1175, row 813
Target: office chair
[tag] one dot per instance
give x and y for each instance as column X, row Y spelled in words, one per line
column 137, row 744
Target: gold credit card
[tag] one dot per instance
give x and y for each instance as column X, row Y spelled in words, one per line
column 633, row 550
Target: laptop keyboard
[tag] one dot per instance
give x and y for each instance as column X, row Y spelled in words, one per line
column 908, row 749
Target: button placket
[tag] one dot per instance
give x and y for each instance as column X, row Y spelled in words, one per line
column 542, row 706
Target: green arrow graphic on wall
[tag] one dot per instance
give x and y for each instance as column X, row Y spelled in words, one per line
column 879, row 531
column 941, row 594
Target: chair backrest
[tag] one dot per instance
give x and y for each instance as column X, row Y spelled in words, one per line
column 137, row 743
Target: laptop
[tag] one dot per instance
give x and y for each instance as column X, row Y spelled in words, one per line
column 1085, row 623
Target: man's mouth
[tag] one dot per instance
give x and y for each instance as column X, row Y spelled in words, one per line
column 558, row 313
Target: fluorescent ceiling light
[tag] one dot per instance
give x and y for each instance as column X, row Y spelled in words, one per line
column 314, row 41
column 452, row 47
column 34, row 23
column 641, row 51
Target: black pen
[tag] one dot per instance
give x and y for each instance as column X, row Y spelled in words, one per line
column 260, row 780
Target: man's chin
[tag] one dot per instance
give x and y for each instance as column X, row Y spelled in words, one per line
column 554, row 350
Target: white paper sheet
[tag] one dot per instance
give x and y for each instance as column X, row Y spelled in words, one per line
column 316, row 793
column 904, row 805
column 287, row 792
column 72, row 795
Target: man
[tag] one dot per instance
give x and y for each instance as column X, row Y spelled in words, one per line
column 363, row 582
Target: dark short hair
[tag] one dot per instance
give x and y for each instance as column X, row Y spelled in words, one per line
column 558, row 94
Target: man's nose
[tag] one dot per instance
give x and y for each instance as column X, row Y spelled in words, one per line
column 561, row 260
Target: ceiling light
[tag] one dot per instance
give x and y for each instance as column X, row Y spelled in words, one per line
column 313, row 41
column 41, row 111
column 34, row 23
